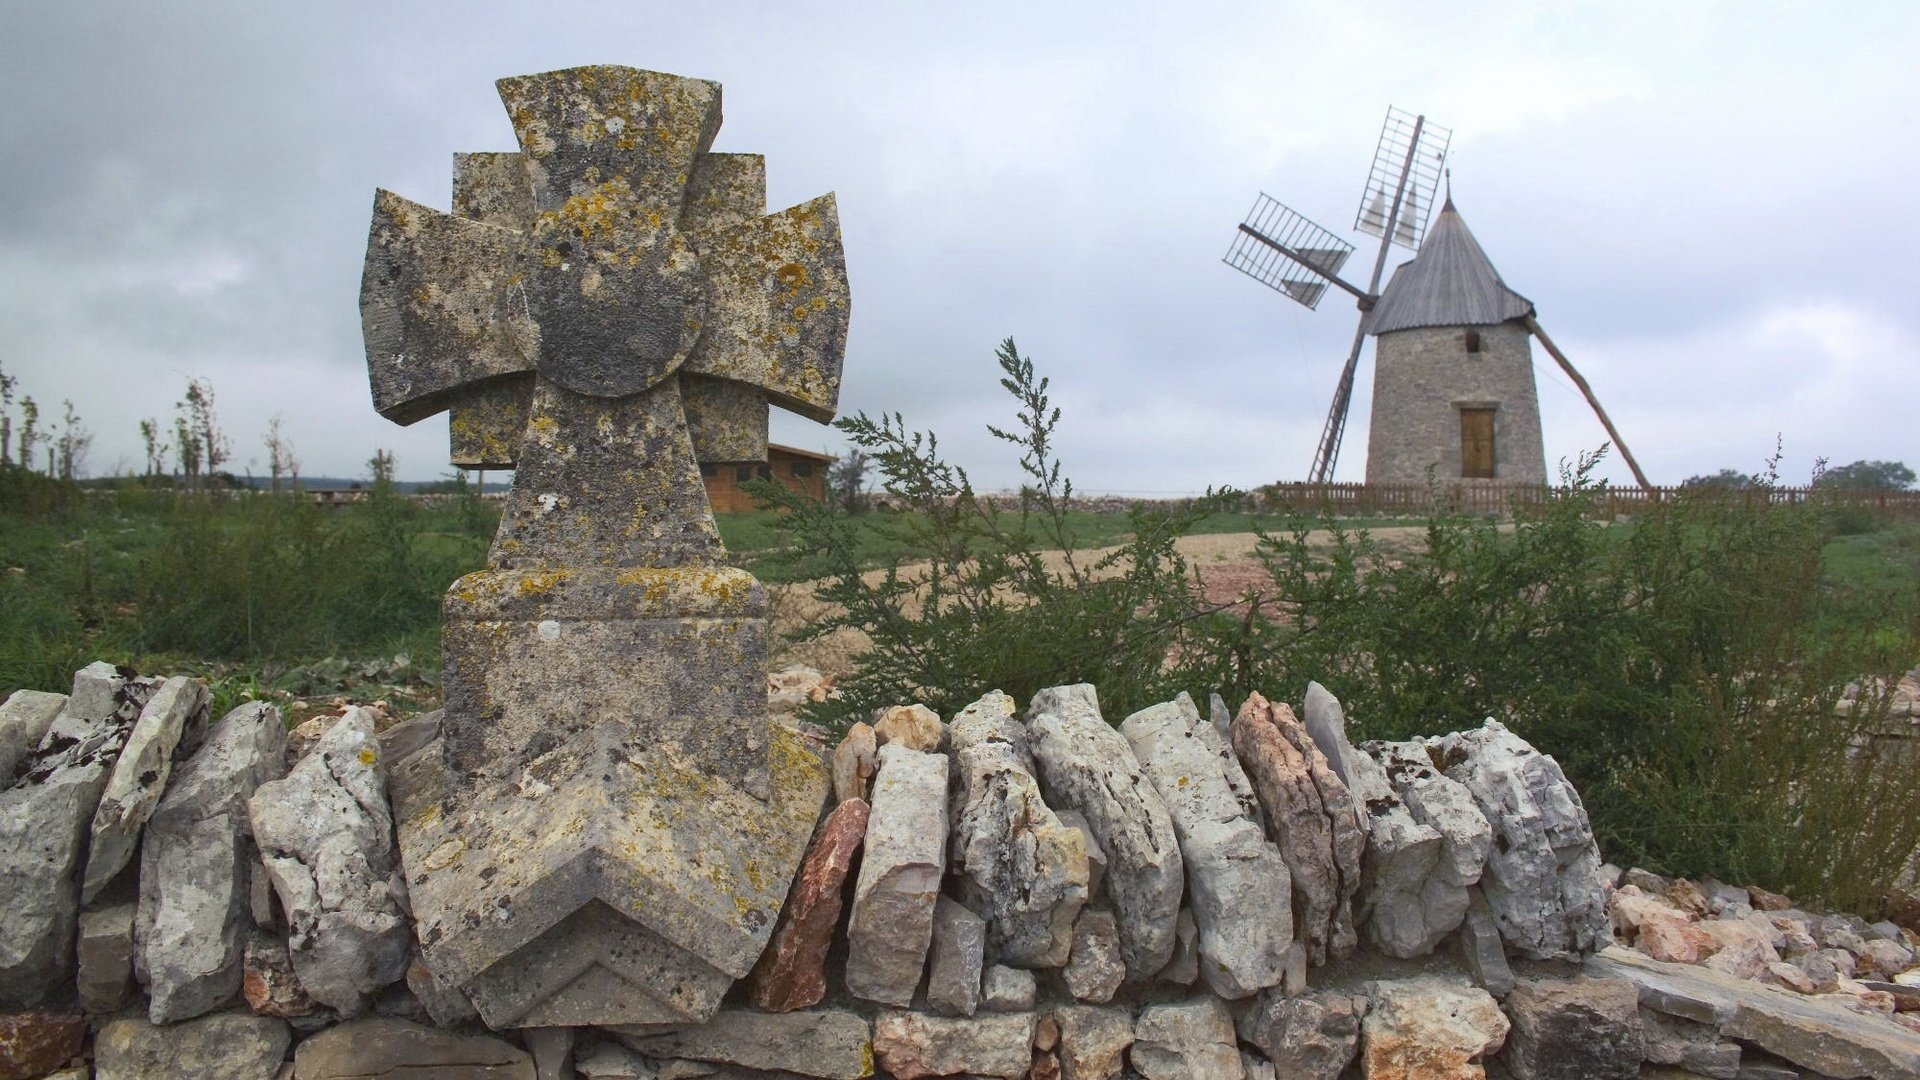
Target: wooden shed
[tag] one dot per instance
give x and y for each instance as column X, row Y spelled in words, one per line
column 801, row 470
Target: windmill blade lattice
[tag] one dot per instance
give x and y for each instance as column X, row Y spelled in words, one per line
column 1257, row 251
column 1410, row 146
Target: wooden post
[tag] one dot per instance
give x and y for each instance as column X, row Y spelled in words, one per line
column 1567, row 366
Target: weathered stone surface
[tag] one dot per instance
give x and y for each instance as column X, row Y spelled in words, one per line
column 954, row 964
column 397, row 1050
column 409, row 737
column 915, row 727
column 1812, row 1032
column 791, row 974
column 105, row 955
column 1326, row 723
column 1448, row 808
column 1096, row 855
column 139, row 777
column 24, row 719
column 44, row 823
column 1742, row 948
column 891, row 924
column 1088, row 767
column 1480, row 949
column 1402, row 857
column 196, row 866
column 222, row 1046
column 1316, row 1034
column 1292, row 779
column 1096, row 970
column 854, row 762
column 1542, row 875
column 1007, row 989
column 1192, row 1040
column 831, row 1043
column 35, row 1043
column 612, row 1061
column 552, row 1052
column 912, row 1046
column 1696, row 1047
column 1093, row 1041
column 1016, row 862
column 447, row 1005
column 326, row 836
column 1237, row 884
column 267, row 981
column 623, row 826
column 793, row 687
column 1574, row 1029
column 1184, row 967
column 1430, row 1028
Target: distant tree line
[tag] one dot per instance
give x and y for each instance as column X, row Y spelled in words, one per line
column 1857, row 476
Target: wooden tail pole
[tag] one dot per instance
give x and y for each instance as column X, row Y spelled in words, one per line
column 1566, row 365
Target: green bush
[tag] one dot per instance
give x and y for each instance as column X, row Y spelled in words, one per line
column 991, row 598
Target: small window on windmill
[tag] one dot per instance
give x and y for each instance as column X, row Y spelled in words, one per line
column 709, row 471
column 800, row 469
column 742, row 473
column 1473, row 341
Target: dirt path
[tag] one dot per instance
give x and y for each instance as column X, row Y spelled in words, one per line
column 1225, row 562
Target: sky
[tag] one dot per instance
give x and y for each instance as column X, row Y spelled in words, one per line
column 1710, row 204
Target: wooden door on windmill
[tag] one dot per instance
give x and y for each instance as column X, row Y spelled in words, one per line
column 1476, row 443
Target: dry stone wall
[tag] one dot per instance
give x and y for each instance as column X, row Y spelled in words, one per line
column 1044, row 892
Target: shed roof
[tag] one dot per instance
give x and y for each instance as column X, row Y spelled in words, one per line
column 1451, row 282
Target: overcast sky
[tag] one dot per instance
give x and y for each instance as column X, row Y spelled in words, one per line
column 1712, row 206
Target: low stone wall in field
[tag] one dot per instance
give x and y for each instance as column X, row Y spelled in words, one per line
column 1023, row 889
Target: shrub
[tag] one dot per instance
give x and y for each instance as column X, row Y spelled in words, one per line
column 996, row 599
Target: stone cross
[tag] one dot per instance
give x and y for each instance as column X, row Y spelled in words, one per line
column 607, row 826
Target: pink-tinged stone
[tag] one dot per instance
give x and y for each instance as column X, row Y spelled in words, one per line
column 854, row 761
column 1672, row 938
column 915, row 727
column 36, row 1043
column 268, row 983
column 792, row 973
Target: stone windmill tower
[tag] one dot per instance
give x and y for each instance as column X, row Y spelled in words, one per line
column 1453, row 386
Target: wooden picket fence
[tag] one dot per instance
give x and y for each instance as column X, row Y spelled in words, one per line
column 1414, row 500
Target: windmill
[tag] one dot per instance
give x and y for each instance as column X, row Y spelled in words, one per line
column 1453, row 289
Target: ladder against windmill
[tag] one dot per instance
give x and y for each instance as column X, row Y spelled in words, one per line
column 1453, row 384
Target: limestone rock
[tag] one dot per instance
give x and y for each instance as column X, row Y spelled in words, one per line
column 552, row 1051
column 267, row 981
column 854, row 762
column 1326, row 723
column 891, row 925
column 1096, row 855
column 1812, row 1032
column 1696, row 1047
column 1095, row 970
column 1007, row 989
column 1256, row 1067
column 954, row 964
column 35, row 1043
column 1093, row 1041
column 221, row 1046
column 1191, row 1040
column 1321, row 845
column 912, row 1046
column 196, row 866
column 24, row 719
column 1016, row 862
column 409, row 737
column 1402, row 857
column 1237, row 882
column 612, row 1061
column 1448, row 808
column 1184, row 967
column 447, row 1005
column 44, row 824
column 1316, row 1034
column 105, row 955
column 1542, row 875
column 1432, row 1028
column 791, row 974
column 915, row 727
column 1480, row 949
column 139, row 778
column 398, row 1050
column 794, row 687
column 326, row 836
column 1088, row 767
column 1574, row 1029
column 831, row 1043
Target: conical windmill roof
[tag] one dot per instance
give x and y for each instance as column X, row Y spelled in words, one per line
column 1451, row 282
